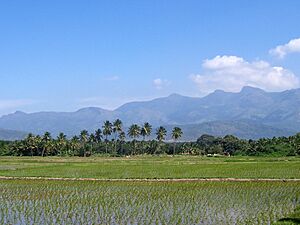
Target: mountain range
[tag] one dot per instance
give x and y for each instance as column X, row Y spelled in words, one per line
column 250, row 113
column 10, row 135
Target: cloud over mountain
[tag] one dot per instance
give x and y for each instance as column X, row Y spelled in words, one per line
column 160, row 83
column 231, row 73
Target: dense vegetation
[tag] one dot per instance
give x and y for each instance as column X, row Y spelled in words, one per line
column 113, row 140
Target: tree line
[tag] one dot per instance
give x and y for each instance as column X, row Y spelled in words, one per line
column 112, row 139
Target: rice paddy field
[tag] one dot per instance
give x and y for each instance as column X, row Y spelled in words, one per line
column 44, row 201
column 152, row 167
column 97, row 202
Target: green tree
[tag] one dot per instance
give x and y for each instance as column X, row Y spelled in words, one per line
column 107, row 130
column 92, row 141
column 31, row 143
column 145, row 132
column 116, row 129
column 84, row 137
column 176, row 134
column 161, row 133
column 46, row 140
column 207, row 142
column 16, row 148
column 134, row 133
column 122, row 137
column 74, row 145
column 61, row 143
column 98, row 135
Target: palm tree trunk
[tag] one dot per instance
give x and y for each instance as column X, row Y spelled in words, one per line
column 43, row 152
column 134, row 148
column 115, row 147
column 143, row 145
column 106, row 141
column 174, row 147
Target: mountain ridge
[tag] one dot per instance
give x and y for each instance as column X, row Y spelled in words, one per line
column 277, row 110
column 11, row 135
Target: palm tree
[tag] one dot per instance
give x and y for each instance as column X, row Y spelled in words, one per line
column 17, row 148
column 92, row 140
column 46, row 139
column 176, row 134
column 145, row 131
column 117, row 128
column 84, row 137
column 134, row 132
column 61, row 136
column 98, row 135
column 74, row 144
column 61, row 142
column 161, row 132
column 39, row 144
column 122, row 137
column 107, row 130
column 31, row 143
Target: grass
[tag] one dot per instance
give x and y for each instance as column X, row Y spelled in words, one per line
column 88, row 202
column 152, row 167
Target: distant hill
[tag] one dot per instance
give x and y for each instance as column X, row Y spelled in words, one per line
column 242, row 129
column 10, row 135
column 250, row 113
column 278, row 109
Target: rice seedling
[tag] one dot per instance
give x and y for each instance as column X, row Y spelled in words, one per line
column 94, row 202
column 151, row 167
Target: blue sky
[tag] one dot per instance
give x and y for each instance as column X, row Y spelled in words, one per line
column 64, row 55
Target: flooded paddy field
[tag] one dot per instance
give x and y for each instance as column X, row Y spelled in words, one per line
column 145, row 202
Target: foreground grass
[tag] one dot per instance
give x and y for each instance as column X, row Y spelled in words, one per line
column 88, row 202
column 151, row 167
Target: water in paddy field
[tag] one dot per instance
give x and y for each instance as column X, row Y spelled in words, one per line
column 87, row 202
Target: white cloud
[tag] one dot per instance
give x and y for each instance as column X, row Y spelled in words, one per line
column 222, row 62
column 282, row 50
column 231, row 73
column 160, row 83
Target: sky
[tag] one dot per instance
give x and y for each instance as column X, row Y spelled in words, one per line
column 62, row 55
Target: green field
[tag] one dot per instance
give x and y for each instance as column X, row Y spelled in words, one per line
column 152, row 167
column 149, row 202
column 97, row 202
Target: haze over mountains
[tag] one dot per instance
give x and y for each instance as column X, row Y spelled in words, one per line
column 10, row 135
column 251, row 113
